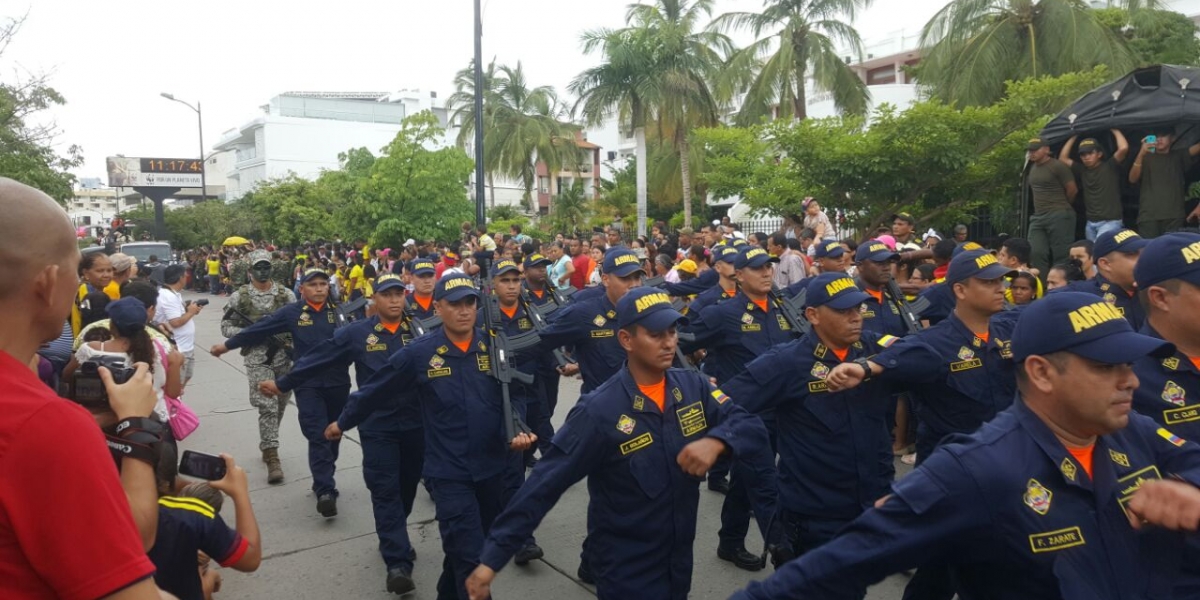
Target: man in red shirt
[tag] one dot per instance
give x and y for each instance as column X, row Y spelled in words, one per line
column 580, row 260
column 66, row 529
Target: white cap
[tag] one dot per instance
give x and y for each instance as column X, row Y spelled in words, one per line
column 410, row 242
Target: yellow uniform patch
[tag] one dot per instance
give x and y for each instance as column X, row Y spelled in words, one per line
column 1069, row 470
column 1128, row 485
column 602, row 333
column 1119, row 457
column 636, row 443
column 1174, row 393
column 1186, row 414
column 1037, row 497
column 1170, row 437
column 720, row 396
column 626, row 424
column 1056, row 540
column 433, row 373
column 692, row 419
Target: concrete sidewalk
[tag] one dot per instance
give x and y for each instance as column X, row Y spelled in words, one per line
column 307, row 557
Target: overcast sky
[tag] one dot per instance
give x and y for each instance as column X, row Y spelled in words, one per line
column 111, row 61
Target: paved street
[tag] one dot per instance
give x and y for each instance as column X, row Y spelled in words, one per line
column 306, row 557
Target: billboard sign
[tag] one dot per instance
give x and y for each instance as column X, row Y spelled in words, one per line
column 126, row 171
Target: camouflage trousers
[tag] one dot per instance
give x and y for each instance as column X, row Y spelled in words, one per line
column 270, row 410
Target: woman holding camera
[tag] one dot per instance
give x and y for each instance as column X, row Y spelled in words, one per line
column 131, row 343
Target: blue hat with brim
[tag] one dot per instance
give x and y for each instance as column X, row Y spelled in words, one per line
column 965, row 247
column 1125, row 241
column 1082, row 324
column 835, row 290
column 728, row 254
column 388, row 281
column 455, row 288
column 875, row 251
column 753, row 258
column 621, row 262
column 537, row 260
column 830, row 250
column 978, row 264
column 1172, row 256
column 422, row 267
column 507, row 265
column 649, row 307
column 313, row 273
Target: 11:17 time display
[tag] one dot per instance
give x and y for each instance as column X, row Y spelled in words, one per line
column 171, row 165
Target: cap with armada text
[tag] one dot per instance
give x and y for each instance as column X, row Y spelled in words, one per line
column 537, row 260
column 1082, row 324
column 830, row 250
column 1125, row 241
column 875, row 251
column 754, row 258
column 835, row 290
column 728, row 254
column 504, row 266
column 422, row 266
column 455, row 288
column 1172, row 256
column 313, row 273
column 649, row 307
column 388, row 281
column 978, row 264
column 621, row 262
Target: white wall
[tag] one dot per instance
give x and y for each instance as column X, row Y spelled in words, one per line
column 307, row 146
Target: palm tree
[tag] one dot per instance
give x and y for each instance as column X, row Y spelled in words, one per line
column 462, row 106
column 570, row 207
column 658, row 70
column 972, row 47
column 801, row 41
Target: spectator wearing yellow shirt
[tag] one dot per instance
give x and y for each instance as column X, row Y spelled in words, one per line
column 96, row 271
column 355, row 278
column 214, row 274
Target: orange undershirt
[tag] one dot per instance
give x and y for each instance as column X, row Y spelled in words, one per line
column 317, row 307
column 731, row 292
column 983, row 336
column 392, row 327
column 462, row 345
column 1084, row 457
column 841, row 354
column 1195, row 361
column 878, row 296
column 761, row 304
column 656, row 392
column 424, row 301
column 509, row 312
column 538, row 293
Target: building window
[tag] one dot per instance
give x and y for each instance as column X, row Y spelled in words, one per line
column 882, row 75
column 544, row 185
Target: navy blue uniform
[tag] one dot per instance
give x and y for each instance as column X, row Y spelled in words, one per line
column 736, row 332
column 321, row 397
column 1017, row 514
column 701, row 282
column 414, row 310
column 941, row 302
column 880, row 315
column 974, row 381
column 547, row 379
column 1128, row 305
column 393, row 441
column 835, row 448
column 709, row 297
column 591, row 327
column 587, row 293
column 465, row 451
column 642, row 513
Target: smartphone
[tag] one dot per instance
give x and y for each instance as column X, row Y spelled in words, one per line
column 1152, row 139
column 201, row 465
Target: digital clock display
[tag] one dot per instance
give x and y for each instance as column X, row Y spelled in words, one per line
column 171, row 165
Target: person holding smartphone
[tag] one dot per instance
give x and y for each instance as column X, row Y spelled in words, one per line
column 1161, row 172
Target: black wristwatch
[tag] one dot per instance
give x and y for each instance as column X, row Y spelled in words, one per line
column 866, row 367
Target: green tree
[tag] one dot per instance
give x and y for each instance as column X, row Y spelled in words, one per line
column 27, row 139
column 618, row 196
column 414, row 190
column 972, row 47
column 571, row 208
column 938, row 161
column 1155, row 37
column 797, row 40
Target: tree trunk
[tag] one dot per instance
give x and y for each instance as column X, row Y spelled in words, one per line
column 685, row 169
column 492, row 188
column 639, row 135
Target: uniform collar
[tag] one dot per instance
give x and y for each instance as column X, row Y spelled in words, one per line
column 1068, row 468
column 447, row 348
column 742, row 299
column 958, row 325
column 822, row 352
column 639, row 402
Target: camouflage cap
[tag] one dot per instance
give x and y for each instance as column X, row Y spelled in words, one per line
column 259, row 256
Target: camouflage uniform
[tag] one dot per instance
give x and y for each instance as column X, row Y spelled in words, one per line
column 239, row 271
column 281, row 273
column 256, row 304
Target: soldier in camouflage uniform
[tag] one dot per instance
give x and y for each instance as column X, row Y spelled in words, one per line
column 240, row 268
column 268, row 361
column 281, row 271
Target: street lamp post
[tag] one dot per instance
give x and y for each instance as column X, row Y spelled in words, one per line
column 200, row 124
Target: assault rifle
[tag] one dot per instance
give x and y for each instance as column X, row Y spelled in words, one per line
column 538, row 317
column 501, row 348
column 909, row 311
column 792, row 309
column 277, row 342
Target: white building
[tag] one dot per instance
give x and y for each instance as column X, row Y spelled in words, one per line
column 93, row 207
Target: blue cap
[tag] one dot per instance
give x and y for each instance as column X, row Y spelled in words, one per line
column 1126, row 241
column 753, row 258
column 1083, row 324
column 728, row 254
column 875, row 251
column 965, row 247
column 454, row 288
column 835, row 290
column 504, row 266
column 738, row 242
column 312, row 273
column 128, row 315
column 649, row 307
column 388, row 281
column 537, row 260
column 422, row 266
column 1172, row 256
column 621, row 262
column 828, row 249
column 979, row 264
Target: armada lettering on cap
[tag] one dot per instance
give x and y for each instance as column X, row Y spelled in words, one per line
column 1124, row 235
column 985, row 260
column 832, row 245
column 878, row 247
column 457, row 282
column 505, row 263
column 651, row 300
column 422, row 265
column 628, row 258
column 536, row 257
column 840, row 285
column 1191, row 252
column 1092, row 315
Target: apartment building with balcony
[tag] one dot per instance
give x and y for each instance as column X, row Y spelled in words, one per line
column 586, row 169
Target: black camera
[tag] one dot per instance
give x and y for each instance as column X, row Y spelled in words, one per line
column 200, row 302
column 88, row 389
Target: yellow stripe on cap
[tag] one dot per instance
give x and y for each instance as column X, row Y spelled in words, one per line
column 187, row 504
